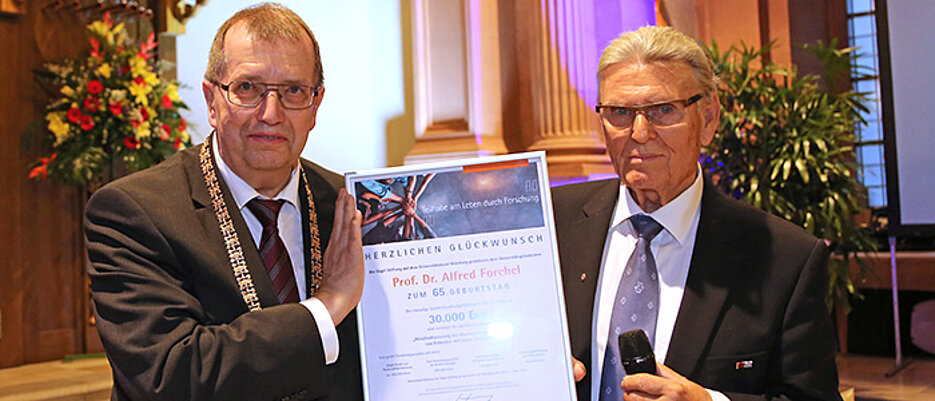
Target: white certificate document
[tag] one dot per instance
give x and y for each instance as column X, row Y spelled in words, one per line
column 462, row 296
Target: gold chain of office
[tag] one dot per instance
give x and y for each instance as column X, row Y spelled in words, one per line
column 232, row 241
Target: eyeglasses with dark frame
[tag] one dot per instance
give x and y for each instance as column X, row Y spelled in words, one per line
column 251, row 94
column 659, row 114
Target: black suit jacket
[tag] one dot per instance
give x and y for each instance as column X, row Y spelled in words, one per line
column 170, row 315
column 755, row 292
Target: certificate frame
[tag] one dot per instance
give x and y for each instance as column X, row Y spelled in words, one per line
column 463, row 296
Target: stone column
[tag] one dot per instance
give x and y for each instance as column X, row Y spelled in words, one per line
column 456, row 79
column 552, row 83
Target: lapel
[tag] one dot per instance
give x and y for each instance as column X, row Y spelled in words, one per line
column 583, row 229
column 586, row 232
column 601, row 207
column 204, row 211
column 717, row 253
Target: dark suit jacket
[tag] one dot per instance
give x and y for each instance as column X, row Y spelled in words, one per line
column 755, row 291
column 168, row 308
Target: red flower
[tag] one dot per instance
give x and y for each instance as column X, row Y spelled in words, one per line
column 166, row 102
column 74, row 115
column 139, row 81
column 178, row 143
column 124, row 70
column 135, row 123
column 166, row 131
column 96, row 48
column 116, row 108
column 183, row 125
column 95, row 87
column 147, row 46
column 92, row 103
column 43, row 167
column 144, row 113
column 86, row 122
column 130, row 142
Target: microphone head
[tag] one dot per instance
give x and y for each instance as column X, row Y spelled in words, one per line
column 636, row 353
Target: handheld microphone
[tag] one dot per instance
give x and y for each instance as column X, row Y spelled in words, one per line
column 636, row 353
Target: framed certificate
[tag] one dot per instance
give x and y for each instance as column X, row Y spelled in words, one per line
column 462, row 295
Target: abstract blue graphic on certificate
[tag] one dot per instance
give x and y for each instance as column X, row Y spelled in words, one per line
column 462, row 294
column 446, row 204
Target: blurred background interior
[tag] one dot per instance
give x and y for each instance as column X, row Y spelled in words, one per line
column 412, row 81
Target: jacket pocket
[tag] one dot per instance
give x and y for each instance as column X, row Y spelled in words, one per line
column 744, row 373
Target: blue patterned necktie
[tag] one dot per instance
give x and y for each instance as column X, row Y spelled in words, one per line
column 636, row 304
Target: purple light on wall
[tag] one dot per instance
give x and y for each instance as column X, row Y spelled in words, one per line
column 580, row 29
column 612, row 18
column 626, row 15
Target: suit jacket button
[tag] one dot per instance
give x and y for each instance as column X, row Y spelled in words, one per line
column 583, row 276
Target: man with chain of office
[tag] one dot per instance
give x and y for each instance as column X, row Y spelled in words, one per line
column 231, row 270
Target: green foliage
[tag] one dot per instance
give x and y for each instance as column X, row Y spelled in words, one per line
column 786, row 146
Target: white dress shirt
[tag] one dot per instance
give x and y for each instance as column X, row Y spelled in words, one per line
column 290, row 224
column 672, row 248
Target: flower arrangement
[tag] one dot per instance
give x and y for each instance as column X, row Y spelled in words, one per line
column 111, row 107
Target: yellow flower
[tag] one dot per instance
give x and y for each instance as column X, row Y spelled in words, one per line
column 58, row 127
column 140, row 90
column 104, row 70
column 104, row 31
column 143, row 130
column 67, row 91
column 100, row 28
column 138, row 65
column 139, row 68
column 173, row 92
column 184, row 135
column 150, row 78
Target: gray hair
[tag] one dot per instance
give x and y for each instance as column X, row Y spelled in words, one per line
column 661, row 44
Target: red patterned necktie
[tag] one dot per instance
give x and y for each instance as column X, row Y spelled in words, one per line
column 273, row 250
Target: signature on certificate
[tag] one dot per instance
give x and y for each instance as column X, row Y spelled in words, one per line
column 472, row 397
